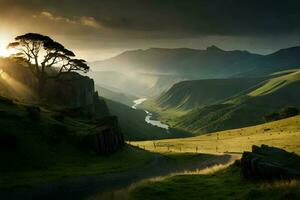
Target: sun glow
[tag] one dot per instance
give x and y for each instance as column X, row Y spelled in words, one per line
column 4, row 41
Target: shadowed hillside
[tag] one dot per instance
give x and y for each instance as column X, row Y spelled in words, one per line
column 134, row 126
column 126, row 99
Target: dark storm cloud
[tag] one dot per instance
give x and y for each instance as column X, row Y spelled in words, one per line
column 203, row 17
column 107, row 27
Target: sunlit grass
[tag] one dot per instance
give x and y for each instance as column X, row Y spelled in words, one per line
column 225, row 183
column 283, row 134
column 16, row 88
column 276, row 83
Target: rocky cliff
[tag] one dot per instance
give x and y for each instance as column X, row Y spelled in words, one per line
column 72, row 90
column 72, row 93
column 106, row 137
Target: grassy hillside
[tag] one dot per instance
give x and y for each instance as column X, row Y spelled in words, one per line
column 35, row 151
column 188, row 95
column 277, row 83
column 283, row 134
column 133, row 124
column 220, row 183
column 244, row 110
column 223, row 184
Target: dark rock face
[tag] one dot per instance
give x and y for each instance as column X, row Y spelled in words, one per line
column 269, row 163
column 106, row 138
column 72, row 90
column 100, row 108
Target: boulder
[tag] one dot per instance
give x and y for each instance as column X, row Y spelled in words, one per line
column 269, row 163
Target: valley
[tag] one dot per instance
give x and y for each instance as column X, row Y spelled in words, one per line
column 149, row 116
column 157, row 123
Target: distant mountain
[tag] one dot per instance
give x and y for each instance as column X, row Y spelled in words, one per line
column 212, row 62
column 283, row 59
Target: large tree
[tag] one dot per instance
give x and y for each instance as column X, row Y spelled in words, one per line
column 43, row 53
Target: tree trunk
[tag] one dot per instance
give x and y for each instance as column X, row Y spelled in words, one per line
column 41, row 85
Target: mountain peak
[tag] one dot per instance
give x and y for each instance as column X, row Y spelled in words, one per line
column 213, row 48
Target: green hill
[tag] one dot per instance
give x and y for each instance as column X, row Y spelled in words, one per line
column 228, row 182
column 36, row 150
column 188, row 95
column 244, row 110
column 282, row 133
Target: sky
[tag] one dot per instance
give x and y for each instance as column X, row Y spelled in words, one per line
column 99, row 29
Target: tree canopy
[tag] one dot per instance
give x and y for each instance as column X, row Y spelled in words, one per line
column 33, row 46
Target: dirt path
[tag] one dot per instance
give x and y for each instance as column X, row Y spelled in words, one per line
column 105, row 186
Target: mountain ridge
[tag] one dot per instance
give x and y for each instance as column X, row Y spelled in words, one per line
column 211, row 62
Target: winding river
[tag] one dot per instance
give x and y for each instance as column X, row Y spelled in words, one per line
column 149, row 117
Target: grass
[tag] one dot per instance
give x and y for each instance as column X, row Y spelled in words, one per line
column 164, row 113
column 134, row 126
column 77, row 165
column 283, row 134
column 240, row 108
column 36, row 151
column 276, row 83
column 224, row 184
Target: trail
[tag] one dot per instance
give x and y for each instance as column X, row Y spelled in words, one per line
column 124, row 193
column 110, row 185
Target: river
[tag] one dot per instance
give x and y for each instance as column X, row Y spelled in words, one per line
column 149, row 117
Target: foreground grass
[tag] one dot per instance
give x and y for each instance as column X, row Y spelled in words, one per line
column 283, row 134
column 225, row 184
column 77, row 165
column 35, row 151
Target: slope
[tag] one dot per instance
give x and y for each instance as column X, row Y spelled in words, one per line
column 126, row 99
column 39, row 150
column 249, row 109
column 188, row 95
column 284, row 134
column 133, row 124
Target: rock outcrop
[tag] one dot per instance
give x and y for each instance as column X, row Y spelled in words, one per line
column 71, row 90
column 106, row 138
column 74, row 96
column 269, row 163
